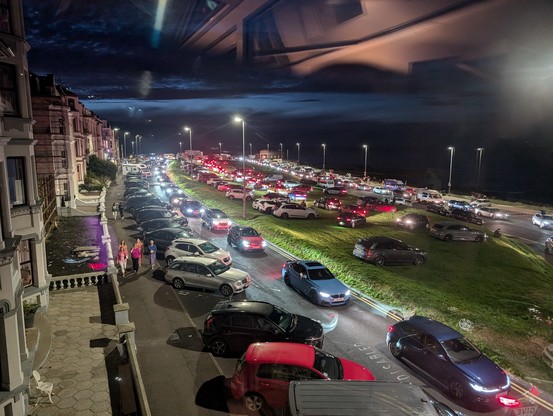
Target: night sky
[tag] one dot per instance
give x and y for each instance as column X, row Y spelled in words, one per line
column 107, row 52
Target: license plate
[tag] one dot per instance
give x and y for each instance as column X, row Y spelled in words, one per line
column 525, row 411
column 338, row 299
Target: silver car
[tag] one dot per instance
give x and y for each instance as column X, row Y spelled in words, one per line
column 206, row 273
column 494, row 213
column 457, row 232
column 542, row 220
column 196, row 247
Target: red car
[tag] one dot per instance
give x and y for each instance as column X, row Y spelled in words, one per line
column 263, row 374
column 357, row 209
column 382, row 207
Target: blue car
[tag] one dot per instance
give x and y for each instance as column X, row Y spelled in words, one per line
column 316, row 282
column 449, row 359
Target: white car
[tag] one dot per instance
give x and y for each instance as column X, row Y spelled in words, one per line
column 212, row 181
column 207, row 274
column 542, row 220
column 381, row 190
column 488, row 212
column 290, row 184
column 482, row 202
column 239, row 194
column 267, row 205
column 403, row 201
column 292, row 210
column 196, row 247
column 257, row 203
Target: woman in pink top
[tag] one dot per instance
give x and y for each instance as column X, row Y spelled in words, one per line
column 136, row 254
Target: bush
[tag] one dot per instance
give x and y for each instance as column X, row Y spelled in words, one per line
column 101, row 168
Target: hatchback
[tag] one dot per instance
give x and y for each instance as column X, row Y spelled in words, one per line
column 386, row 250
column 233, row 325
column 328, row 203
column 449, row 359
column 336, row 190
column 191, row 208
column 216, row 220
column 263, row 374
column 245, row 239
column 351, row 219
column 542, row 220
column 165, row 236
column 196, row 247
column 316, row 282
column 206, row 273
column 294, row 210
column 412, row 221
column 457, row 232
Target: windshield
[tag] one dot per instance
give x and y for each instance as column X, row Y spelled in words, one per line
column 207, row 247
column 460, row 350
column 283, row 319
column 328, row 365
column 217, row 268
column 249, row 232
column 320, row 274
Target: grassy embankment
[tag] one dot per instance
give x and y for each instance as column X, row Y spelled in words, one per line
column 502, row 286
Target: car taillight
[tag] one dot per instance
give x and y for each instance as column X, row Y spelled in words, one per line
column 209, row 324
column 391, row 328
column 508, row 401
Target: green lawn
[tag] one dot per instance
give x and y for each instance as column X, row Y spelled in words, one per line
column 502, row 286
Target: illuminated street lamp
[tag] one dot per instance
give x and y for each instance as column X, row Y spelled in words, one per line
column 280, row 151
column 132, row 142
column 479, row 153
column 220, row 146
column 297, row 144
column 115, row 130
column 268, row 151
column 241, row 120
column 366, row 148
column 189, row 130
column 138, row 138
column 125, row 142
column 324, row 155
column 180, row 147
column 451, row 151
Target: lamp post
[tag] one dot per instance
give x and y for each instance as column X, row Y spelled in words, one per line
column 268, row 151
column 366, row 148
column 451, row 151
column 189, row 130
column 241, row 120
column 220, row 146
column 297, row 144
column 324, row 155
column 132, row 142
column 280, row 151
column 125, row 142
column 180, row 147
column 479, row 153
column 138, row 138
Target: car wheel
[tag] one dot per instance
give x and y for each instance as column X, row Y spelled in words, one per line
column 284, row 216
column 311, row 216
column 313, row 297
column 457, row 389
column 395, row 350
column 253, row 402
column 226, row 290
column 379, row 261
column 178, row 283
column 479, row 239
column 418, row 261
column 231, row 197
column 169, row 260
column 218, row 347
column 448, row 238
column 287, row 279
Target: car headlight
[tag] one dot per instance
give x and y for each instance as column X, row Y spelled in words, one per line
column 348, row 292
column 482, row 389
column 324, row 295
column 188, row 209
column 245, row 243
column 215, row 222
column 264, row 244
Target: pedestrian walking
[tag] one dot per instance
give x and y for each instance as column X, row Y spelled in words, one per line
column 123, row 248
column 141, row 245
column 114, row 210
column 152, row 249
column 136, row 253
column 121, row 209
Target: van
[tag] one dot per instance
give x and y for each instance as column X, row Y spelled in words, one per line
column 362, row 398
column 133, row 167
column 430, row 196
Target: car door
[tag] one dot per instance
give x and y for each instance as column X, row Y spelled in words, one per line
column 206, row 278
column 401, row 253
column 414, row 349
column 240, row 332
column 273, row 381
column 266, row 331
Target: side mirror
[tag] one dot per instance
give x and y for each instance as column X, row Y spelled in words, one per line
column 196, row 254
column 302, row 275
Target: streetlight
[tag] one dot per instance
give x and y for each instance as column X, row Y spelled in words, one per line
column 451, row 151
column 220, row 145
column 268, row 152
column 138, row 138
column 250, row 149
column 125, row 142
column 189, row 130
column 241, row 120
column 297, row 144
column 324, row 155
column 479, row 153
column 132, row 142
column 366, row 148
column 180, row 147
column 280, row 152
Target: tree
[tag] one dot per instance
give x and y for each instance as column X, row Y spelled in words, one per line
column 100, row 169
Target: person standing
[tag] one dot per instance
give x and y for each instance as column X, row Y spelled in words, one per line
column 152, row 249
column 122, row 260
column 136, row 254
column 114, row 210
column 123, row 247
column 121, row 209
column 141, row 245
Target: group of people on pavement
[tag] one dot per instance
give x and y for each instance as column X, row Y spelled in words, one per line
column 136, row 254
column 118, row 208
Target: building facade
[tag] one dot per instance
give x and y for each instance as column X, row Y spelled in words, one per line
column 23, row 273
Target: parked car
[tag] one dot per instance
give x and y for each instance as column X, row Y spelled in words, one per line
column 232, row 326
column 295, row 195
column 133, row 190
column 136, row 204
column 262, row 374
column 351, row 219
column 268, row 205
column 336, row 190
column 302, row 188
column 468, row 216
column 196, row 247
column 455, row 204
column 164, row 237
column 386, row 250
column 481, row 202
column 447, row 358
column 191, row 208
column 157, row 223
column 542, row 220
column 206, row 273
column 316, row 282
column 382, row 190
column 293, row 210
column 494, row 213
column 357, row 209
column 437, row 209
column 402, row 201
column 328, row 203
column 413, row 221
column 239, row 194
column 245, row 238
column 216, row 220
column 549, row 245
column 457, row 232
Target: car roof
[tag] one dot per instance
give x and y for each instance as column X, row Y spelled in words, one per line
column 256, row 307
column 196, row 241
column 440, row 331
column 311, row 264
column 380, row 239
column 289, row 353
column 195, row 259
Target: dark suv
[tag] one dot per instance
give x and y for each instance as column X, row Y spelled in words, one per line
column 233, row 325
column 386, row 250
column 412, row 221
column 468, row 216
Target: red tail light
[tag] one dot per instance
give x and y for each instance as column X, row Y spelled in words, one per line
column 508, row 401
column 391, row 328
